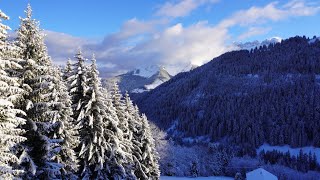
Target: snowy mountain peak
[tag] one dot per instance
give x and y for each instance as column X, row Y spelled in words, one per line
column 254, row 44
column 141, row 79
column 272, row 40
column 147, row 71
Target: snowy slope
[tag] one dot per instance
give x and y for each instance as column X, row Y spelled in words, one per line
column 146, row 71
column 198, row 178
column 293, row 151
column 260, row 174
column 189, row 67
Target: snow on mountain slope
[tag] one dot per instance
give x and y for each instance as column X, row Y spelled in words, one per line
column 147, row 71
column 140, row 80
column 254, row 44
column 153, row 85
column 189, row 67
column 146, row 78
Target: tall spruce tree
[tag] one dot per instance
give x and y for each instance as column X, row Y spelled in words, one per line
column 66, row 130
column 135, row 129
column 126, row 138
column 9, row 121
column 38, row 80
column 149, row 161
column 78, row 87
column 93, row 143
column 3, row 33
column 101, row 155
column 67, row 71
column 144, row 153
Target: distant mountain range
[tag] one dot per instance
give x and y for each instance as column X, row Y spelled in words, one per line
column 146, row 78
column 139, row 80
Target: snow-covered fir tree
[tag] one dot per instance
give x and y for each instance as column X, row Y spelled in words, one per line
column 135, row 129
column 93, row 142
column 101, row 154
column 126, row 138
column 67, row 71
column 10, row 92
column 3, row 33
column 100, row 136
column 3, row 28
column 38, row 80
column 149, row 161
column 66, row 129
column 144, row 153
column 78, row 87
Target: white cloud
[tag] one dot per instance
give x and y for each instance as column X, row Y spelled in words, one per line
column 181, row 8
column 254, row 31
column 63, row 46
column 256, row 15
column 197, row 44
column 160, row 42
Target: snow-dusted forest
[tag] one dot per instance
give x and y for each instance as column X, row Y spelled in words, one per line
column 60, row 123
column 243, row 110
column 252, row 110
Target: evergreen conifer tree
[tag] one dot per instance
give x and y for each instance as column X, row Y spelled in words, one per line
column 10, row 92
column 144, row 153
column 67, row 71
column 126, row 139
column 93, row 143
column 38, row 80
column 149, row 161
column 135, row 129
column 78, row 87
column 101, row 154
column 66, row 130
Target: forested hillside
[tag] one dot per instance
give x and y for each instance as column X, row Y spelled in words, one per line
column 270, row 94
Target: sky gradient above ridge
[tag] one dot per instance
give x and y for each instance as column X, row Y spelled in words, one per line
column 175, row 33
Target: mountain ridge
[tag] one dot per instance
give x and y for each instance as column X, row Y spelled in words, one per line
column 210, row 100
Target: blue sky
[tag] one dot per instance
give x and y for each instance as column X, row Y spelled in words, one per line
column 173, row 33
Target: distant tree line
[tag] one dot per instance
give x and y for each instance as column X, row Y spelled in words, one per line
column 303, row 162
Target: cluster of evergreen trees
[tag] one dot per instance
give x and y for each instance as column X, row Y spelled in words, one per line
column 302, row 162
column 246, row 98
column 64, row 125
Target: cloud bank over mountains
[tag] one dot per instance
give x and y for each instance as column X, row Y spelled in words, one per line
column 163, row 40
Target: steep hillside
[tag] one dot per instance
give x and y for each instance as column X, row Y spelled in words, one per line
column 270, row 94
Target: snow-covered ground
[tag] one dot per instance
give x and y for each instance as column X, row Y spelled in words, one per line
column 155, row 84
column 198, row 178
column 293, row 151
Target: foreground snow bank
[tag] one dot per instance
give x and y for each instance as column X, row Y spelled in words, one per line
column 198, row 178
column 293, row 151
